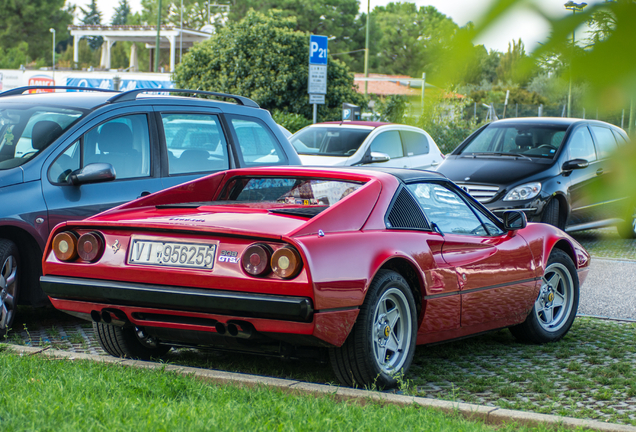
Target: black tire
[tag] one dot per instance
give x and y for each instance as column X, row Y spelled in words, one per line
column 9, row 288
column 627, row 228
column 555, row 308
column 551, row 213
column 128, row 342
column 375, row 332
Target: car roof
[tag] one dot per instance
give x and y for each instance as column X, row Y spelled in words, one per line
column 82, row 100
column 557, row 121
column 354, row 123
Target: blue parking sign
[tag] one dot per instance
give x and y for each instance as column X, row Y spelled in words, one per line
column 318, row 50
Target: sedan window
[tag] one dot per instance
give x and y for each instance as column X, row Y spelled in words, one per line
column 414, row 143
column 446, row 209
column 581, row 145
column 541, row 141
column 605, row 141
column 388, row 143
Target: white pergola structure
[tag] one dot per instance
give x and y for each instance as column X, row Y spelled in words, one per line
column 170, row 36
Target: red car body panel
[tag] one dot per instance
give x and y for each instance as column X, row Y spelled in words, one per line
column 462, row 284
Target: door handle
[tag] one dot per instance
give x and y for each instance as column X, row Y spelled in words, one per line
column 599, row 171
column 435, row 163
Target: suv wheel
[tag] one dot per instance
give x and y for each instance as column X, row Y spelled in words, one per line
column 9, row 259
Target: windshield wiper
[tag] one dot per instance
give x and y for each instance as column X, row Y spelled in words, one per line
column 501, row 154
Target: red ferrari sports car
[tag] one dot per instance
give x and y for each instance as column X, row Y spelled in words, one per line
column 365, row 263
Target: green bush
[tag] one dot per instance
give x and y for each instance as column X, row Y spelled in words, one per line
column 290, row 121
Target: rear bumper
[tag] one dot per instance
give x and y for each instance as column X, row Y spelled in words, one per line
column 197, row 300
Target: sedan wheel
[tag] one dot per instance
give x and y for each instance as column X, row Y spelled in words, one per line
column 381, row 344
column 8, row 284
column 627, row 228
column 555, row 308
column 391, row 331
column 554, row 305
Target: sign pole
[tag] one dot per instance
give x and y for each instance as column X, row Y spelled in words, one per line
column 315, row 113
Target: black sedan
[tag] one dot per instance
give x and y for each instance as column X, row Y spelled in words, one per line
column 545, row 167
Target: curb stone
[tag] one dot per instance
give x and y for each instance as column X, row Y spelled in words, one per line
column 489, row 415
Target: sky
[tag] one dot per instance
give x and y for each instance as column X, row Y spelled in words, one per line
column 523, row 24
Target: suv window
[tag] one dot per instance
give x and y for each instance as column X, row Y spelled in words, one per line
column 605, row 141
column 195, row 143
column 123, row 142
column 24, row 132
column 258, row 145
column 581, row 145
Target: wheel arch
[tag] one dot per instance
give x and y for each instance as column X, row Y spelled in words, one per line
column 564, row 208
column 566, row 247
column 30, row 264
column 409, row 271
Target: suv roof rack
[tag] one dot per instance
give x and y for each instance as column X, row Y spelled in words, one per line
column 132, row 95
column 21, row 90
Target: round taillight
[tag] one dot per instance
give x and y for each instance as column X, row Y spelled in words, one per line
column 90, row 246
column 286, row 262
column 255, row 260
column 65, row 246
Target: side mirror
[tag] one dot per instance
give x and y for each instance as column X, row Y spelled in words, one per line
column 379, row 157
column 514, row 220
column 575, row 164
column 93, row 173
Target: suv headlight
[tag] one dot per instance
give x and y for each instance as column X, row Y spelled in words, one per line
column 523, row 192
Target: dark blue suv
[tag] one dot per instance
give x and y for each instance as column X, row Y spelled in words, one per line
column 68, row 155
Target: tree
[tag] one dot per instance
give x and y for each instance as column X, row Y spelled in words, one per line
column 412, row 40
column 92, row 16
column 29, row 21
column 122, row 11
column 333, row 18
column 515, row 66
column 264, row 58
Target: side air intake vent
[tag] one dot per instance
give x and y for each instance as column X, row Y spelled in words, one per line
column 406, row 213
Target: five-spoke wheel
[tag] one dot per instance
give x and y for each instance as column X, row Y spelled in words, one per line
column 381, row 344
column 555, row 308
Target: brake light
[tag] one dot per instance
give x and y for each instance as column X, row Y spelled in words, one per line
column 90, row 246
column 255, row 259
column 286, row 262
column 65, row 246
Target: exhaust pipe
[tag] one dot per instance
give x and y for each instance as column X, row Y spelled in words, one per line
column 220, row 328
column 96, row 316
column 240, row 329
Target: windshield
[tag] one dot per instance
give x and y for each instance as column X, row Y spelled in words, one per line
column 538, row 141
column 288, row 191
column 329, row 141
column 26, row 130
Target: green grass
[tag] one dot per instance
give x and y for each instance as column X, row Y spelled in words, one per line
column 45, row 394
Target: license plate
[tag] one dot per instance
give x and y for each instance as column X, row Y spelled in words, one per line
column 172, row 254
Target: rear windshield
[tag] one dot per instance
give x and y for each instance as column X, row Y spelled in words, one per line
column 288, row 191
column 539, row 141
column 26, row 131
column 329, row 141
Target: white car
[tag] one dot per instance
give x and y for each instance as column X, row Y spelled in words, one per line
column 349, row 143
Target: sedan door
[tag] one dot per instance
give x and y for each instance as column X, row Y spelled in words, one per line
column 495, row 269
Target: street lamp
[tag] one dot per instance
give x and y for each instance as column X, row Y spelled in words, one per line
column 574, row 7
column 52, row 30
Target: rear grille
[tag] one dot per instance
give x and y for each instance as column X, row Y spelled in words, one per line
column 481, row 193
column 406, row 213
